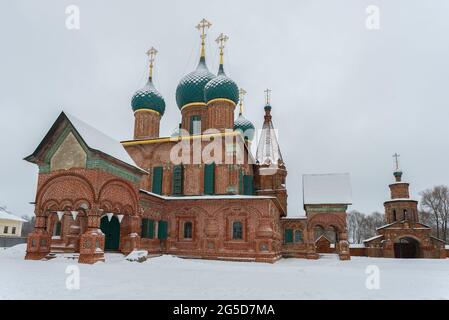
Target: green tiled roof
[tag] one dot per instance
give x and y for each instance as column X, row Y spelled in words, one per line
column 221, row 87
column 148, row 98
column 191, row 87
column 245, row 126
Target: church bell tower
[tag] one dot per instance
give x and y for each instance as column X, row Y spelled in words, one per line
column 271, row 170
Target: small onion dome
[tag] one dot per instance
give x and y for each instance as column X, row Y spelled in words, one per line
column 221, row 87
column 148, row 98
column 398, row 175
column 191, row 87
column 245, row 127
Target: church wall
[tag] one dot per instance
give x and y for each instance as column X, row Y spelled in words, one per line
column 212, row 228
column 296, row 249
column 157, row 154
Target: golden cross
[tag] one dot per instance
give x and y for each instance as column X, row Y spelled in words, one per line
column 396, row 159
column 267, row 96
column 242, row 93
column 221, row 40
column 202, row 26
column 151, row 53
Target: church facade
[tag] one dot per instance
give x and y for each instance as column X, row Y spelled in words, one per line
column 199, row 193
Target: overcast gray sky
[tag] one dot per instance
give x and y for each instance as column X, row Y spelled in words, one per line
column 344, row 98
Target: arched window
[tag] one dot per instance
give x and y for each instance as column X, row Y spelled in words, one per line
column 57, row 230
column 188, row 230
column 237, row 230
column 298, row 236
column 394, row 215
column 405, row 214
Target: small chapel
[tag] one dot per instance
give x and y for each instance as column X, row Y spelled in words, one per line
column 403, row 235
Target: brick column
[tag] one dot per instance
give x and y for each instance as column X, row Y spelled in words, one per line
column 38, row 242
column 92, row 241
column 132, row 240
column 343, row 246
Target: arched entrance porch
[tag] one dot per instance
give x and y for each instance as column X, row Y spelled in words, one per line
column 406, row 247
column 111, row 230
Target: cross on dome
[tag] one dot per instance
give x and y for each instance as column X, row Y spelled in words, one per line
column 151, row 53
column 242, row 93
column 396, row 160
column 267, row 97
column 202, row 27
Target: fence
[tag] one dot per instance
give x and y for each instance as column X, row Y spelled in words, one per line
column 11, row 241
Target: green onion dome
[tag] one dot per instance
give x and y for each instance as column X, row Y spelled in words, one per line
column 221, row 87
column 148, row 98
column 191, row 87
column 245, row 126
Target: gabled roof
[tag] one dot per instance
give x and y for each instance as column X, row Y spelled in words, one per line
column 373, row 238
column 7, row 216
column 323, row 237
column 439, row 240
column 94, row 139
column 333, row 188
column 402, row 222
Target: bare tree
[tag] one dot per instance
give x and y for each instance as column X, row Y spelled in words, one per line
column 435, row 207
column 361, row 226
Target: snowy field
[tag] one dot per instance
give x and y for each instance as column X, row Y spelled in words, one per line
column 168, row 277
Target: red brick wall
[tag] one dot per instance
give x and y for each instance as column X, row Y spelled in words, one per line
column 146, row 124
column 212, row 228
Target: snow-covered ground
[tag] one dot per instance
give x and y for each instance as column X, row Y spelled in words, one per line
column 168, row 277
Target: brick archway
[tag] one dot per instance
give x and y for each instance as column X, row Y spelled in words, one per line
column 407, row 247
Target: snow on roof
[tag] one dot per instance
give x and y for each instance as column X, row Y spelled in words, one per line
column 356, row 245
column 209, row 197
column 333, row 188
column 294, row 218
column 372, row 238
column 99, row 141
column 8, row 216
column 401, row 199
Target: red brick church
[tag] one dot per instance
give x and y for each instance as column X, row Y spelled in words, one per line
column 199, row 193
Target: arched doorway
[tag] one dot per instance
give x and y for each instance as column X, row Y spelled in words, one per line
column 318, row 231
column 111, row 230
column 406, row 248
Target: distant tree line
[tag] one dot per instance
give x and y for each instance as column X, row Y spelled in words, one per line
column 433, row 212
column 362, row 226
